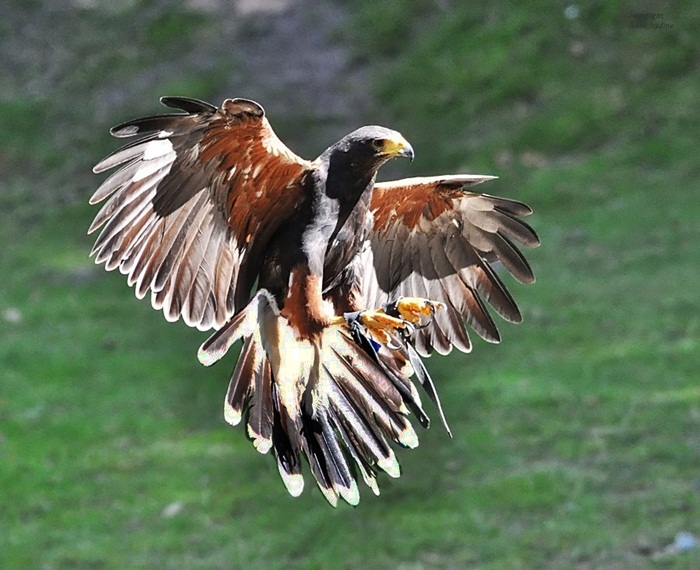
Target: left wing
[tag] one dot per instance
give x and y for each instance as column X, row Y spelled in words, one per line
column 193, row 203
column 432, row 238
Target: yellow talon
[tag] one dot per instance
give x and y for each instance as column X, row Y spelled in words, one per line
column 380, row 335
column 379, row 319
column 379, row 324
column 413, row 309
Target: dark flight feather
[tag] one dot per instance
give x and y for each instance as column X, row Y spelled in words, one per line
column 228, row 229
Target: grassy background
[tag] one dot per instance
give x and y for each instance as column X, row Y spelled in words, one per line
column 577, row 441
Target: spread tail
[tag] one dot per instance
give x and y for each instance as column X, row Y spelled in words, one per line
column 339, row 401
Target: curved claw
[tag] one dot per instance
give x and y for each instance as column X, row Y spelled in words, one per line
column 413, row 309
column 378, row 324
column 405, row 315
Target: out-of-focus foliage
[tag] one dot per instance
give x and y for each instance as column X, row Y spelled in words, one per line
column 576, row 441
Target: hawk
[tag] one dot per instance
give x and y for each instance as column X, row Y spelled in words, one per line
column 336, row 284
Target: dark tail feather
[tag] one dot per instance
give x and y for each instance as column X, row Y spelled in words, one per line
column 286, row 445
column 403, row 383
column 342, row 473
column 352, row 445
column 374, row 403
column 327, row 460
column 260, row 408
column 427, row 382
column 340, row 401
column 242, row 382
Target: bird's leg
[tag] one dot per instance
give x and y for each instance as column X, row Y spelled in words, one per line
column 404, row 313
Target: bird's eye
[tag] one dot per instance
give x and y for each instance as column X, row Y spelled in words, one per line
column 377, row 143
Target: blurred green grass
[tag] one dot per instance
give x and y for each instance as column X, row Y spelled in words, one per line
column 576, row 441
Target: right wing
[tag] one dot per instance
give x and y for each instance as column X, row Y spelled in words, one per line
column 432, row 238
column 193, row 205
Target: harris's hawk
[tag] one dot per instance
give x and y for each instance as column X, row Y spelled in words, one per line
column 336, row 284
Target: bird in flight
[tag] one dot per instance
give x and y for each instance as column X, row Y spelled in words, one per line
column 336, row 284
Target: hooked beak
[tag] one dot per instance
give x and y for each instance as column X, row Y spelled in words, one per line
column 398, row 146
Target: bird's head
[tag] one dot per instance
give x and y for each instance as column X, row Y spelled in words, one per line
column 372, row 146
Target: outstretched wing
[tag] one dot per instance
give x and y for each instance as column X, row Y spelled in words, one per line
column 434, row 239
column 195, row 201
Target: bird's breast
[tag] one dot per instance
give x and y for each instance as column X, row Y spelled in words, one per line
column 346, row 244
